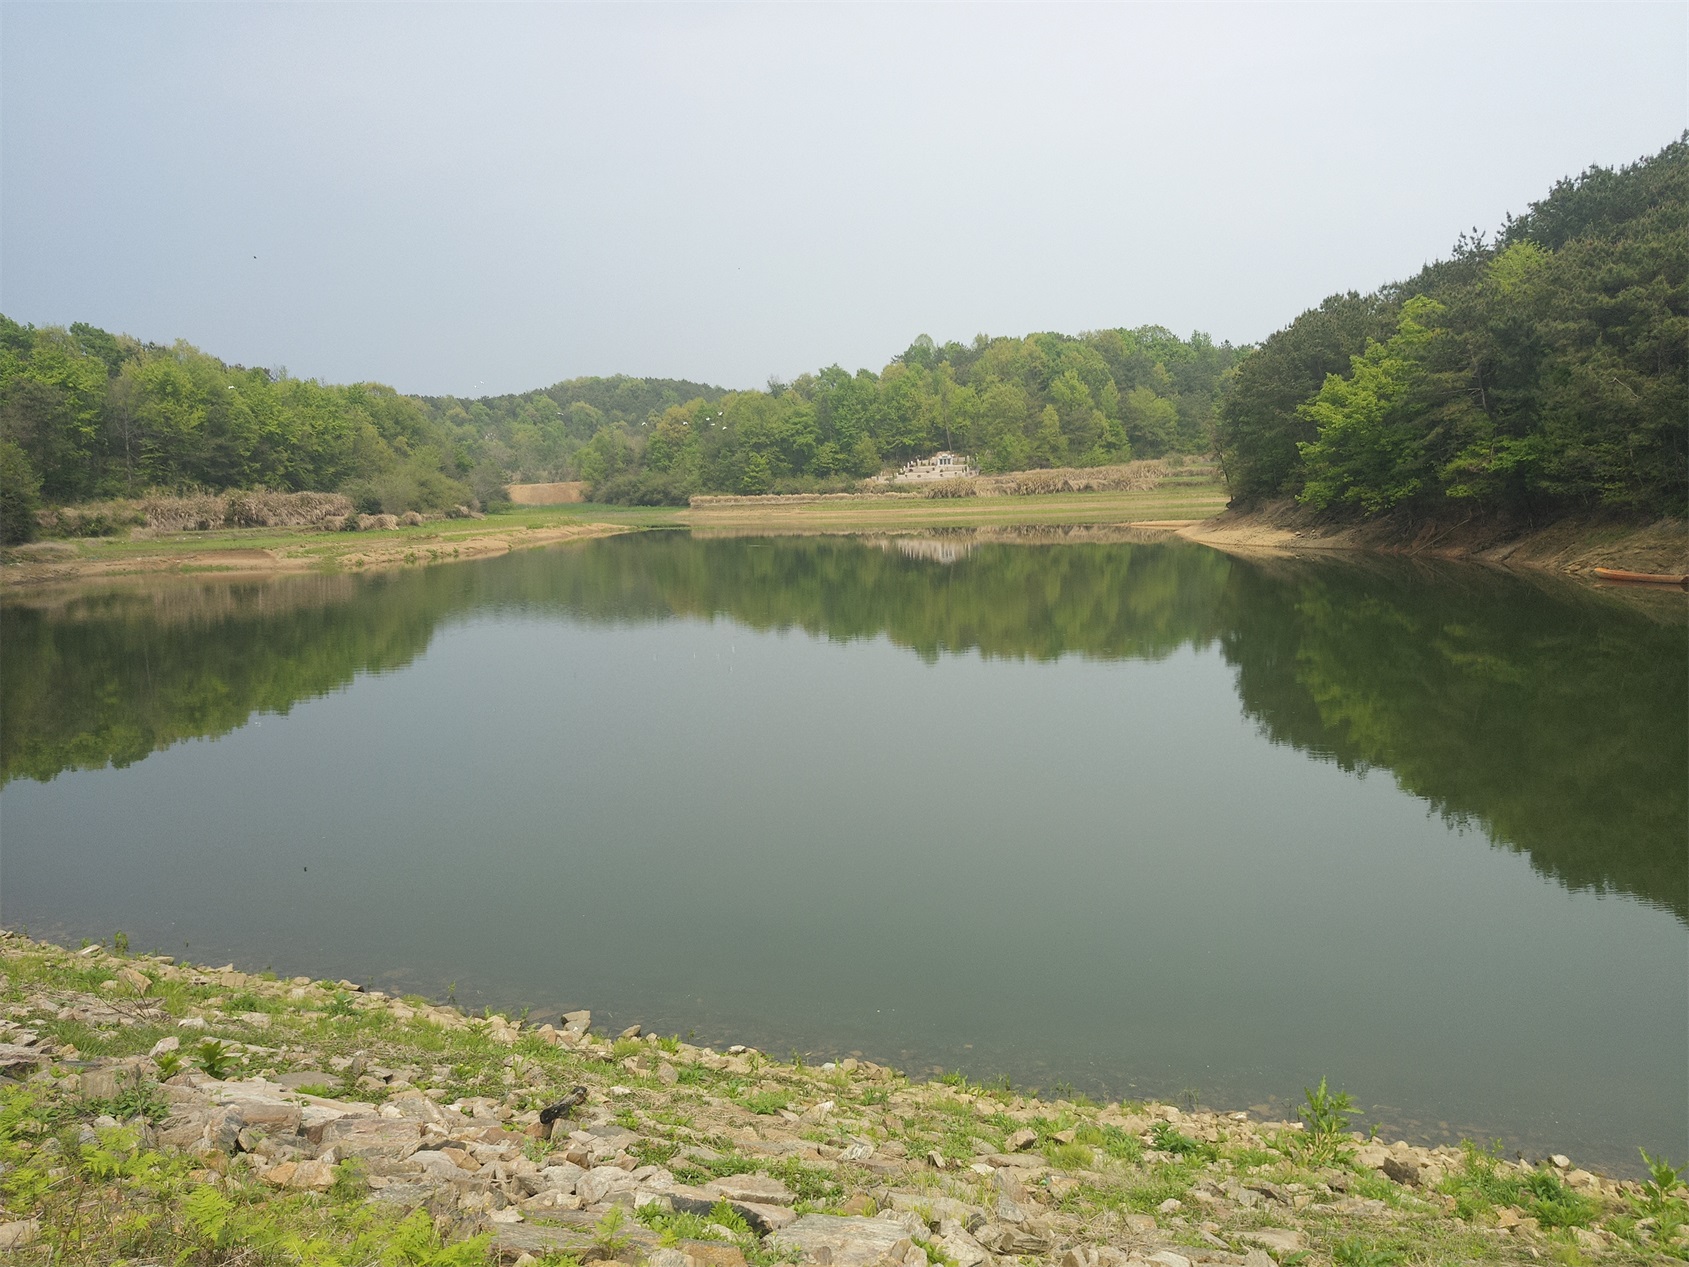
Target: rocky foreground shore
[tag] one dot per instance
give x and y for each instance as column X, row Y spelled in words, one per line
column 154, row 1112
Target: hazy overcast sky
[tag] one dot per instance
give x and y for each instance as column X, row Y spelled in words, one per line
column 489, row 198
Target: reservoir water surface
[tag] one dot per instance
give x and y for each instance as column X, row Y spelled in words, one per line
column 1134, row 818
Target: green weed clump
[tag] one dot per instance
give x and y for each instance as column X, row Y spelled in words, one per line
column 115, row 1200
column 674, row 1226
column 1659, row 1199
column 609, row 1237
column 1165, row 1137
column 1358, row 1251
column 214, row 1058
column 1073, row 1156
column 136, row 1097
column 1111, row 1140
column 767, row 1103
column 1481, row 1184
column 934, row 1253
column 1326, row 1115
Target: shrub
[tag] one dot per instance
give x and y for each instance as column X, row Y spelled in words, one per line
column 91, row 519
column 20, row 492
column 1326, row 1114
column 645, row 488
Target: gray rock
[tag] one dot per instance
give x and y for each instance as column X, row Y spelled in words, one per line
column 751, row 1187
column 913, row 1224
column 561, row 1178
column 185, row 1127
column 372, row 1136
column 105, row 1083
column 1281, row 1240
column 305, row 1078
column 436, row 1164
column 1401, row 1169
column 17, row 1060
column 835, row 1240
column 222, row 1132
column 955, row 1240
column 21, row 1232
column 765, row 1218
column 601, row 1182
column 1006, row 1238
column 1021, row 1161
column 933, row 1209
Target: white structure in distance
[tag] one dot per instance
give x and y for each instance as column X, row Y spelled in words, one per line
column 943, row 465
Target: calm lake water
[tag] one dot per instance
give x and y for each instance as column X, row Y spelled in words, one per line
column 1137, row 818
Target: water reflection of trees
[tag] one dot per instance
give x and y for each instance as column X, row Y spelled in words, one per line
column 1544, row 715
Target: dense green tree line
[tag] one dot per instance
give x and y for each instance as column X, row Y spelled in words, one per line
column 87, row 414
column 1039, row 401
column 99, row 415
column 1543, row 371
column 1544, row 716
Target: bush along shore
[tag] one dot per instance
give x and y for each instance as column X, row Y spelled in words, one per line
column 153, row 1112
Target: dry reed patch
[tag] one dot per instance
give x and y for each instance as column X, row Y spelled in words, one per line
column 193, row 512
column 559, row 494
column 1129, row 477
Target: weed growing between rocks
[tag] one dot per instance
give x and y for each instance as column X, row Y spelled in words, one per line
column 100, row 1195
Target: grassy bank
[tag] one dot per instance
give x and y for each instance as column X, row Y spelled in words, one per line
column 155, row 1112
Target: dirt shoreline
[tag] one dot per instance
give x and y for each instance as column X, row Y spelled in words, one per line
column 47, row 563
column 1575, row 546
column 1568, row 546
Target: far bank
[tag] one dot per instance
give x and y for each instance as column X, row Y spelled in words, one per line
column 1573, row 544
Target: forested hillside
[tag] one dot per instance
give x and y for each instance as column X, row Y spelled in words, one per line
column 1043, row 400
column 1541, row 372
column 87, row 414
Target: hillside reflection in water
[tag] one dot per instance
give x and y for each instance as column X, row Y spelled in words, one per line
column 998, row 811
